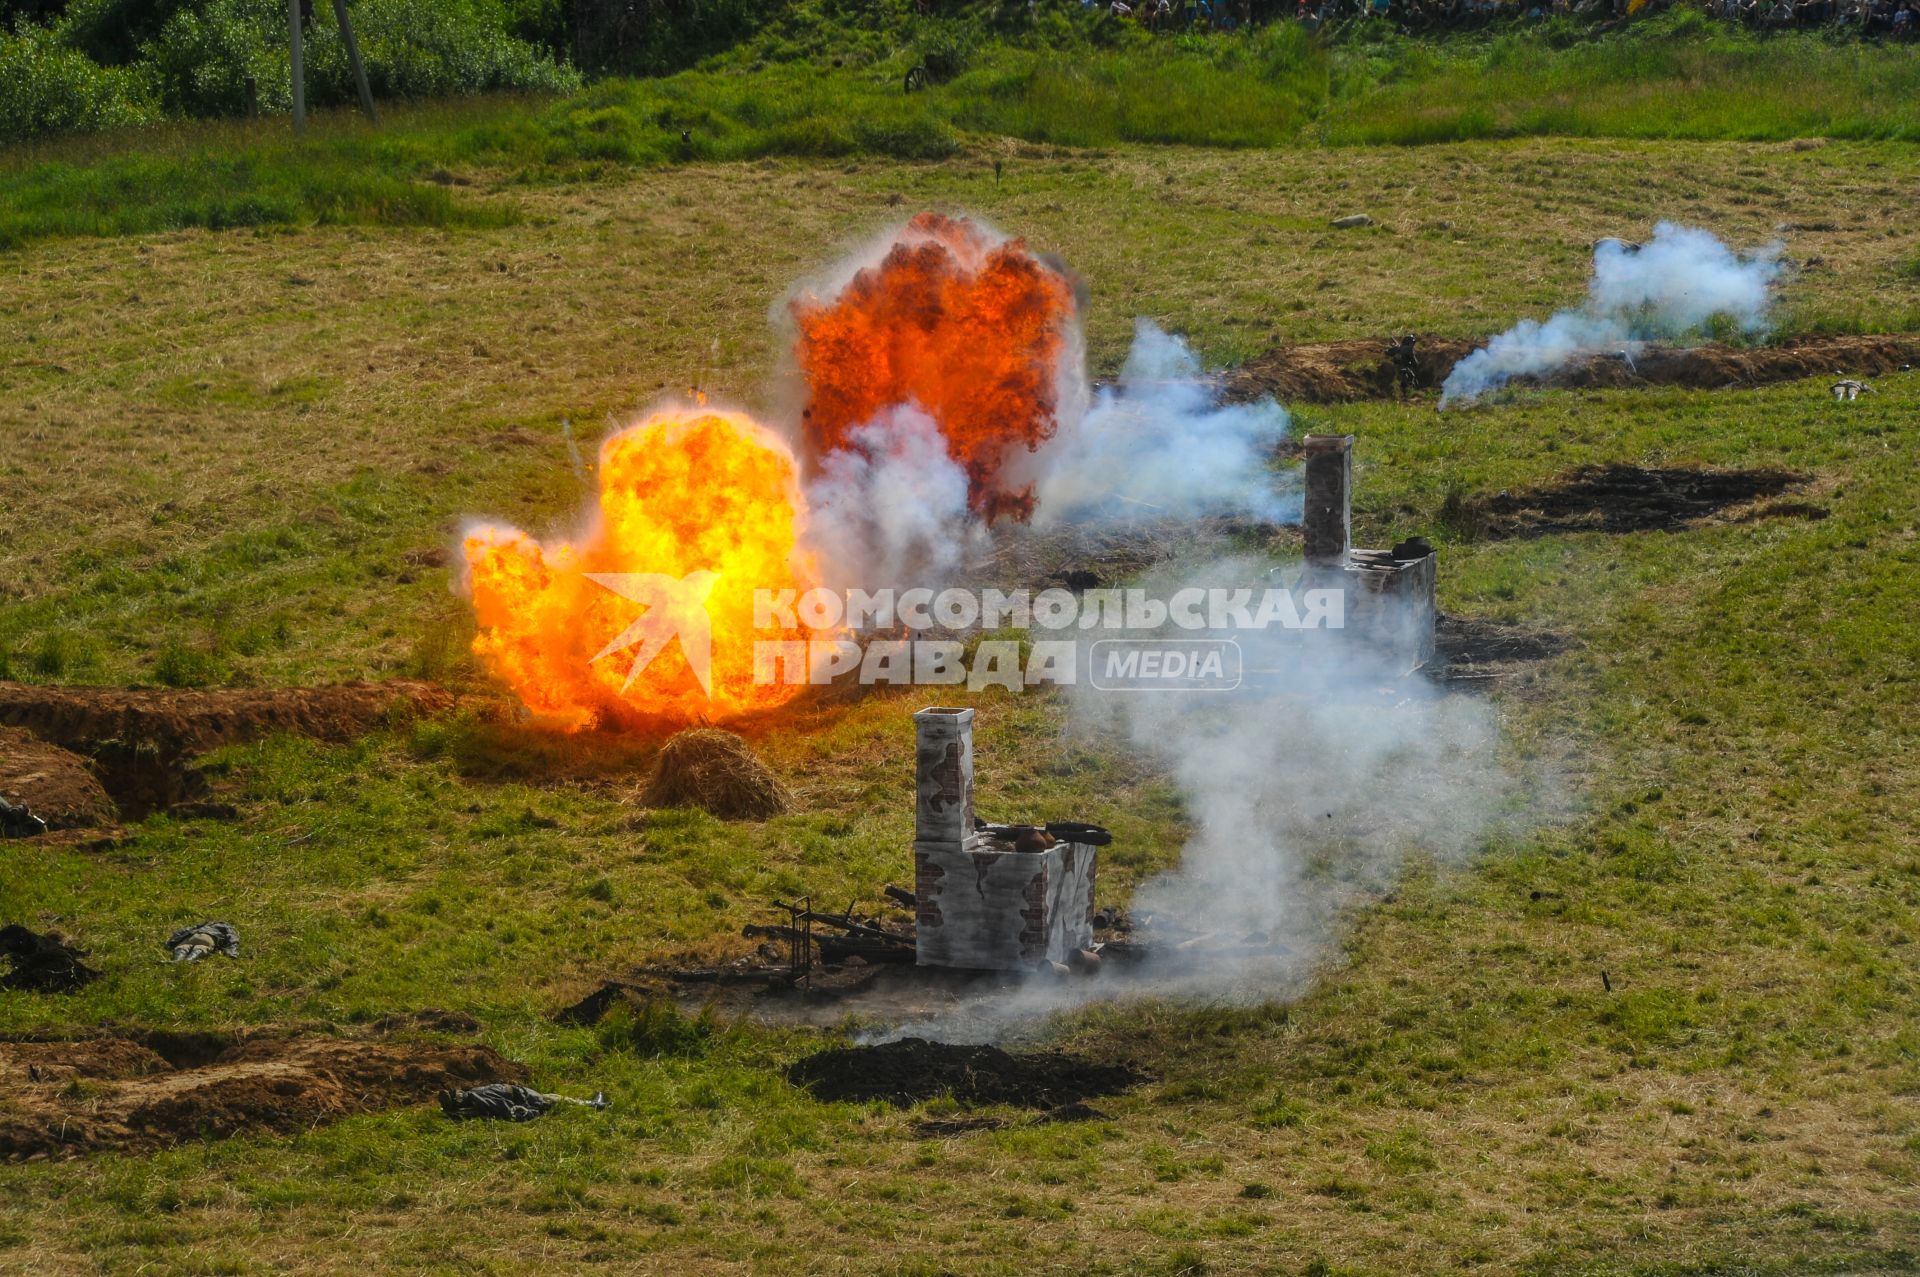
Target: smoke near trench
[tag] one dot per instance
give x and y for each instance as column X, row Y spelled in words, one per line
column 1677, row 284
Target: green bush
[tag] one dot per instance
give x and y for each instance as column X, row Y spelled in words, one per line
column 426, row 48
column 656, row 1028
column 411, row 48
column 203, row 55
column 46, row 87
column 115, row 32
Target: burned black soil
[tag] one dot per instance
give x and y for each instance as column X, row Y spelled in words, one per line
column 1477, row 650
column 141, row 743
column 36, row 962
column 1622, row 498
column 1338, row 372
column 913, row 1069
column 148, row 1091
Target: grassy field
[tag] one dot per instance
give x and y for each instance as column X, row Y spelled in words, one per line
column 231, row 456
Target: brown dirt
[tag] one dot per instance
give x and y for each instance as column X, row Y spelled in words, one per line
column 914, row 1069
column 63, row 1099
column 1336, row 372
column 55, row 784
column 140, row 741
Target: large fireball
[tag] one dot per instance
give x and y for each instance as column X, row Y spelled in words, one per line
column 681, row 493
column 971, row 330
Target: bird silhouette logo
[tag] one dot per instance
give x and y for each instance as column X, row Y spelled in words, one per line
column 673, row 607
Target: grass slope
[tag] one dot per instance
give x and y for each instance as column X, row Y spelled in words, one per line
column 1086, row 83
column 198, row 462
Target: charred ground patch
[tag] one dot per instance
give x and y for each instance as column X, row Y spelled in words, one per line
column 1619, row 498
column 913, row 1069
column 1471, row 649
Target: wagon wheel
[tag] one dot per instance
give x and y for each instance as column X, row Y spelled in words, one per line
column 916, row 79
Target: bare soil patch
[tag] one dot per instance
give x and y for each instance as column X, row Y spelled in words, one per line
column 140, row 742
column 149, row 1091
column 1338, row 372
column 914, row 1069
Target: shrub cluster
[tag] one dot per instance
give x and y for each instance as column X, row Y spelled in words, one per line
column 104, row 63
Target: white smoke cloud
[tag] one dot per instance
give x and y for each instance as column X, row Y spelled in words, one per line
column 1308, row 792
column 891, row 511
column 1162, row 442
column 1672, row 286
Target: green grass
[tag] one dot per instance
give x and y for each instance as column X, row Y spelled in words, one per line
column 238, row 482
column 1681, row 77
column 1674, row 77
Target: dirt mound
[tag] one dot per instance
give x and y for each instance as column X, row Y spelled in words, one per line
column 1625, row 498
column 67, row 1098
column 914, row 1069
column 140, row 741
column 1715, row 367
column 1336, row 372
column 715, row 771
column 55, row 784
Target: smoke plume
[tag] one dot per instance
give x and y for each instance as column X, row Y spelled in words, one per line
column 890, row 508
column 1673, row 286
column 1308, row 793
column 1161, row 441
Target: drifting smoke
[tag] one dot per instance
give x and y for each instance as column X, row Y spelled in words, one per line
column 1674, row 285
column 1161, row 441
column 891, row 508
column 1309, row 792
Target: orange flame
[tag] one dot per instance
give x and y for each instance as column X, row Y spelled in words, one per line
column 683, row 491
column 971, row 330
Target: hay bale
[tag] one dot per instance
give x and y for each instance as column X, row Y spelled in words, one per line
column 716, row 772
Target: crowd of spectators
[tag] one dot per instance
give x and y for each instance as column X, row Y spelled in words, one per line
column 1882, row 19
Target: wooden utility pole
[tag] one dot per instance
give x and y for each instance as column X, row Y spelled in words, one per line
column 353, row 59
column 299, row 68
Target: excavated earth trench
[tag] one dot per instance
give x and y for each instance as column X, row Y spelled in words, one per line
column 69, row 751
column 1337, row 372
column 151, row 1090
